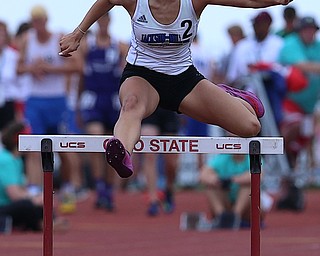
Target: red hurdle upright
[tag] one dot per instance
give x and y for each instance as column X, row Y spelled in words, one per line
column 47, row 165
column 255, row 170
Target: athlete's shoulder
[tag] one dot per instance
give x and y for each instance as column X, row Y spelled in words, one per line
column 199, row 5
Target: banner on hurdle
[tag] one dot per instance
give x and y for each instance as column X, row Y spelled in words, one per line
column 155, row 144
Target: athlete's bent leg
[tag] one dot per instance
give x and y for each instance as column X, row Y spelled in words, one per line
column 210, row 104
column 138, row 100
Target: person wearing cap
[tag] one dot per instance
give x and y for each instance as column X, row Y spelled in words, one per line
column 302, row 50
column 45, row 75
column 254, row 52
column 261, row 46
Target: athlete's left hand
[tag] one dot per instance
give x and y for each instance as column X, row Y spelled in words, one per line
column 70, row 43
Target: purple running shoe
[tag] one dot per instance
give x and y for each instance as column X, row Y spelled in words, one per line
column 249, row 97
column 119, row 158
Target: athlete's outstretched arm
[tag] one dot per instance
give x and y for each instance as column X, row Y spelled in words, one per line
column 199, row 5
column 70, row 42
column 248, row 3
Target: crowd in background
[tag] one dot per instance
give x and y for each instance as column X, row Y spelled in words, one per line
column 43, row 93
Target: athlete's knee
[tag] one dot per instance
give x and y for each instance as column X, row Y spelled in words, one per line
column 252, row 128
column 130, row 103
column 248, row 128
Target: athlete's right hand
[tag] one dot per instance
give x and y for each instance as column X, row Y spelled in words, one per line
column 70, row 43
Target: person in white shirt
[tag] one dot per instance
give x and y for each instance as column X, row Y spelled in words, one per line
column 262, row 46
column 44, row 73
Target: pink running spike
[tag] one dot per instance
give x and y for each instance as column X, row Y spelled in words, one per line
column 249, row 97
column 119, row 158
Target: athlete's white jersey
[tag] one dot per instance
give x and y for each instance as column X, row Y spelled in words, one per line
column 159, row 47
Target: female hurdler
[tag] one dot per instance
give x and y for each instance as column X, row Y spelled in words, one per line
column 159, row 71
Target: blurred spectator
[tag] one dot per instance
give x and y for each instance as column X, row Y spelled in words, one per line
column 22, row 95
column 103, row 60
column 302, row 50
column 9, row 87
column 24, row 209
column 161, row 122
column 46, row 72
column 71, row 176
column 236, row 34
column 261, row 47
column 227, row 180
column 290, row 19
column 20, row 34
column 259, row 53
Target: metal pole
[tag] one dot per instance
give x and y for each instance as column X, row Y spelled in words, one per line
column 47, row 166
column 255, row 170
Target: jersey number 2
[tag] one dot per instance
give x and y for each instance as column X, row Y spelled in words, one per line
column 188, row 25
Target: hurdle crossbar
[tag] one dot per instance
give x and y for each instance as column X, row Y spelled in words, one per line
column 255, row 147
column 155, row 144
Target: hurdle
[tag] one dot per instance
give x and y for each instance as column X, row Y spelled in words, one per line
column 255, row 147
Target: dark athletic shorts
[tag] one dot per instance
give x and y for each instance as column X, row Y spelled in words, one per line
column 172, row 89
column 168, row 122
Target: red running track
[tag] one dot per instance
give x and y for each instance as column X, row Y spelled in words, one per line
column 129, row 232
